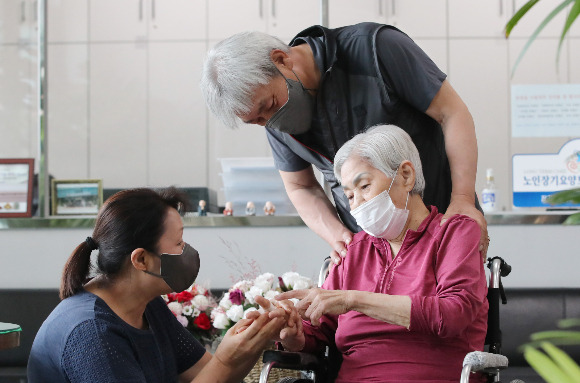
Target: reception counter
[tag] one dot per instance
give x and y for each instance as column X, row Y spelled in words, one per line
column 543, row 252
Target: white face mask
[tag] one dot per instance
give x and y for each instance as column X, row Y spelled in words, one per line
column 380, row 217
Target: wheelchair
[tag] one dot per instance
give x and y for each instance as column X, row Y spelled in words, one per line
column 324, row 368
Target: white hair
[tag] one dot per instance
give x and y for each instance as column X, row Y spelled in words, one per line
column 384, row 147
column 232, row 71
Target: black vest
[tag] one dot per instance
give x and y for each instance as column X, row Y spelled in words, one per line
column 353, row 96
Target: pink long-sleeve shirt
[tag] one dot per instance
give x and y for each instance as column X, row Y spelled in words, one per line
column 440, row 269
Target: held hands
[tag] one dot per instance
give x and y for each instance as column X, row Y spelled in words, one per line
column 314, row 303
column 244, row 342
column 466, row 207
column 292, row 334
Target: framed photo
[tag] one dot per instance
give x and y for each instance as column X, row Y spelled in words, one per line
column 16, row 175
column 76, row 197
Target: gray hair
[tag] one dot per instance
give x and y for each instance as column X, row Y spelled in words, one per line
column 232, row 71
column 384, row 147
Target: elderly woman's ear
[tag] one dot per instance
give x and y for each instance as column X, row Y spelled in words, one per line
column 408, row 173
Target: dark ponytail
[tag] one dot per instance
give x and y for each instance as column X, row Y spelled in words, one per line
column 128, row 220
column 76, row 271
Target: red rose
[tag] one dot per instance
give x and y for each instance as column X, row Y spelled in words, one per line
column 170, row 297
column 184, row 296
column 202, row 321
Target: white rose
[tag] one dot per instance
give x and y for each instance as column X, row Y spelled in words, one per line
column 235, row 313
column 175, row 308
column 248, row 311
column 290, row 278
column 264, row 281
column 271, row 294
column 221, row 321
column 201, row 302
column 225, row 302
column 302, row 283
column 263, row 285
column 254, row 290
column 243, row 286
column 200, row 290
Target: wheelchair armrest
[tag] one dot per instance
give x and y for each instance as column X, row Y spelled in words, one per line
column 292, row 360
column 483, row 362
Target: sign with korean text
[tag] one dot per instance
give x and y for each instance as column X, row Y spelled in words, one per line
column 536, row 176
column 547, row 110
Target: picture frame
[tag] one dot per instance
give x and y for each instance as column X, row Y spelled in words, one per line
column 76, row 197
column 16, row 187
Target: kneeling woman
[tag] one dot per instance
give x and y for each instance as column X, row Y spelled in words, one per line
column 409, row 300
column 116, row 327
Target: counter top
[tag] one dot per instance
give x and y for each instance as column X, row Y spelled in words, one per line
column 499, row 218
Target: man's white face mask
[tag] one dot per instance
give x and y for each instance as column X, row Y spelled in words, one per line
column 380, row 217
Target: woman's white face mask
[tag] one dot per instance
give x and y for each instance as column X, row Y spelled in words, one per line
column 380, row 217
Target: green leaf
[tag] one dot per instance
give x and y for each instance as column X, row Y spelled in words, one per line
column 517, row 16
column 574, row 219
column 563, row 360
column 532, row 38
column 571, row 195
column 556, row 334
column 545, row 366
column 569, row 322
column 574, row 11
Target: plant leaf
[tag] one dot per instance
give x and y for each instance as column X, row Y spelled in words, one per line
column 563, row 360
column 574, row 219
column 517, row 16
column 574, row 12
column 545, row 366
column 571, row 195
column 569, row 322
column 540, row 27
column 556, row 334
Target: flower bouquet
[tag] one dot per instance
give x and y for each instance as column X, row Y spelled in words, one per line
column 192, row 308
column 239, row 300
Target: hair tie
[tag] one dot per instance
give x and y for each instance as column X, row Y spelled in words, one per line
column 91, row 243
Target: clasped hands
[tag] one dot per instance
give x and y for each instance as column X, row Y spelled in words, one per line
column 312, row 305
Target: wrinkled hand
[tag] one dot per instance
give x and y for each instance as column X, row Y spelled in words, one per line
column 339, row 247
column 314, row 303
column 292, row 335
column 245, row 341
column 466, row 207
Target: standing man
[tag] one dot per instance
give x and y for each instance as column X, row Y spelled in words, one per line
column 330, row 84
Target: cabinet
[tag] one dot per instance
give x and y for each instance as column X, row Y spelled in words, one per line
column 68, row 105
column 177, row 135
column 475, row 18
column 347, row 12
column 283, row 19
column 18, row 76
column 403, row 14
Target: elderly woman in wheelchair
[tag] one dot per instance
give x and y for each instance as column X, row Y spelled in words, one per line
column 409, row 300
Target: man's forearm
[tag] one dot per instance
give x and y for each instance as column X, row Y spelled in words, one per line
column 317, row 212
column 461, row 148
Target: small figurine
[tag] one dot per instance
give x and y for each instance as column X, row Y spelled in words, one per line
column 269, row 208
column 201, row 208
column 250, row 208
column 229, row 209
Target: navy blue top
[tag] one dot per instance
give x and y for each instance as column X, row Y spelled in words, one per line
column 83, row 340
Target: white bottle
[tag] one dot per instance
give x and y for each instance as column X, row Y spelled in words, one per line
column 489, row 195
